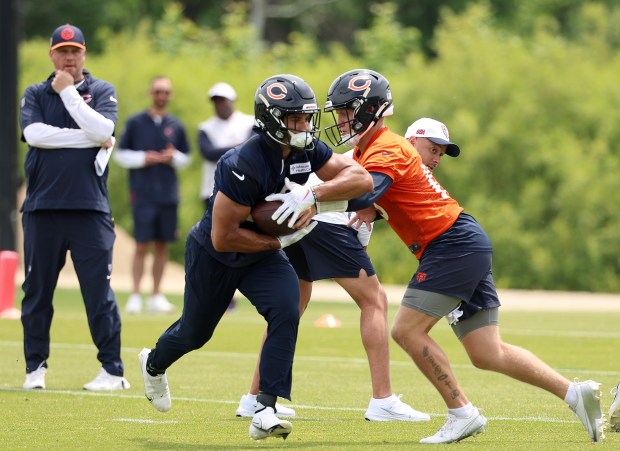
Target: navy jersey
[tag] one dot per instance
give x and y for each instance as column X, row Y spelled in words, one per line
column 65, row 179
column 156, row 184
column 249, row 173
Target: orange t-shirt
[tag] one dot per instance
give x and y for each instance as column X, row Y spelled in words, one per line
column 416, row 206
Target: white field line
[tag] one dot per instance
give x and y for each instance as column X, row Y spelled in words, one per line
column 299, row 358
column 219, row 401
column 143, row 420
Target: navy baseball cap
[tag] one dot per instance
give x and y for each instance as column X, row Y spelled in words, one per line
column 67, row 35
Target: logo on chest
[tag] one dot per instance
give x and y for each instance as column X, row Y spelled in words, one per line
column 300, row 168
column 168, row 132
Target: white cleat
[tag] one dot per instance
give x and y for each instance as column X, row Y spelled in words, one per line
column 395, row 410
column 456, row 429
column 247, row 408
column 614, row 410
column 159, row 304
column 106, row 381
column 588, row 408
column 155, row 387
column 134, row 304
column 266, row 424
column 35, row 379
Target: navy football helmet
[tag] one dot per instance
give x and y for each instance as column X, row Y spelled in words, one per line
column 279, row 96
column 367, row 94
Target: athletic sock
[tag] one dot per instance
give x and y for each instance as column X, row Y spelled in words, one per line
column 384, row 401
column 151, row 369
column 264, row 400
column 462, row 412
column 571, row 396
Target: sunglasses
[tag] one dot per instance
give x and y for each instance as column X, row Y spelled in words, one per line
column 161, row 91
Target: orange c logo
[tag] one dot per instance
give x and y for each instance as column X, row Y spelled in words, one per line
column 67, row 33
column 354, row 83
column 275, row 95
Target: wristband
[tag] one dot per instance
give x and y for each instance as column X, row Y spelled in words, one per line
column 333, row 205
column 316, row 201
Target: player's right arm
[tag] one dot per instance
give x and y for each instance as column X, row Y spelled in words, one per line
column 227, row 235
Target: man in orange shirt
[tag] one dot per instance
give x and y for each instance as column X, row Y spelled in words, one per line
column 454, row 276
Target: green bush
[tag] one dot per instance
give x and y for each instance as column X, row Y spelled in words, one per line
column 535, row 117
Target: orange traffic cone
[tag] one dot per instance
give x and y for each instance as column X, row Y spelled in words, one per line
column 8, row 269
column 327, row 320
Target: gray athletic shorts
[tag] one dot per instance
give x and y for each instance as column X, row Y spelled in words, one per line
column 438, row 305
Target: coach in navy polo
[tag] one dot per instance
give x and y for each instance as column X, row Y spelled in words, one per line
column 68, row 122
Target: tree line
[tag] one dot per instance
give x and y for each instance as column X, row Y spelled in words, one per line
column 535, row 116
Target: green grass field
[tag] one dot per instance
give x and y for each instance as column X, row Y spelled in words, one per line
column 331, row 386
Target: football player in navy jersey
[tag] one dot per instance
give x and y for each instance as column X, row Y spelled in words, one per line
column 68, row 121
column 225, row 252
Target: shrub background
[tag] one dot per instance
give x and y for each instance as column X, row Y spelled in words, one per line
column 536, row 119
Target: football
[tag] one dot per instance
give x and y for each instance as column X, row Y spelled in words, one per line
column 261, row 215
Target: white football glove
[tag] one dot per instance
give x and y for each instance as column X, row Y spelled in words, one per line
column 287, row 240
column 297, row 200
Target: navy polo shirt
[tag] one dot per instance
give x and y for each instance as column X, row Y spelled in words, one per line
column 156, row 184
column 65, row 179
column 249, row 173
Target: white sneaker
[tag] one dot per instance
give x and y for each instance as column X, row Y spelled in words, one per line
column 134, row 304
column 247, row 407
column 105, row 381
column 456, row 429
column 614, row 410
column 588, row 408
column 393, row 410
column 159, row 304
column 155, row 387
column 36, row 378
column 266, row 424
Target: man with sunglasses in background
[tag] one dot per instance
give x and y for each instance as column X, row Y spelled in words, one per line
column 152, row 147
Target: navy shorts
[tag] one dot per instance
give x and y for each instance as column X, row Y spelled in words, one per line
column 465, row 275
column 155, row 223
column 330, row 251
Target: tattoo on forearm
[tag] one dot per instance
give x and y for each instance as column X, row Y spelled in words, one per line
column 439, row 373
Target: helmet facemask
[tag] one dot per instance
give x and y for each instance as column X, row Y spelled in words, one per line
column 297, row 134
column 366, row 97
column 286, row 109
column 361, row 116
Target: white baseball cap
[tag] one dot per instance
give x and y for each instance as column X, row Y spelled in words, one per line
column 222, row 89
column 434, row 131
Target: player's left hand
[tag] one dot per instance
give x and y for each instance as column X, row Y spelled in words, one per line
column 305, row 217
column 365, row 216
column 294, row 237
column 297, row 200
column 167, row 154
column 61, row 80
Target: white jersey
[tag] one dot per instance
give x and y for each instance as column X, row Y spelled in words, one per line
column 223, row 133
